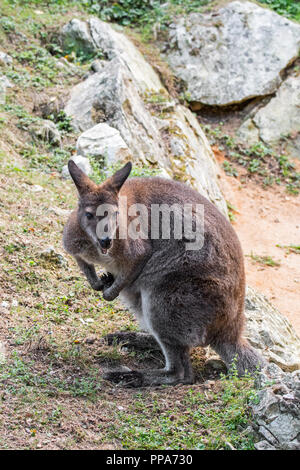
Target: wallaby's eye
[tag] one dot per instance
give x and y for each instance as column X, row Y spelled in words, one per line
column 89, row 215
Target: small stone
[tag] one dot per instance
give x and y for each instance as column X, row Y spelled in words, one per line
column 59, row 211
column 103, row 142
column 82, row 162
column 5, row 59
column 264, row 445
column 36, row 188
column 97, row 65
column 2, row 353
column 216, row 364
column 4, row 84
column 45, row 130
column 52, row 256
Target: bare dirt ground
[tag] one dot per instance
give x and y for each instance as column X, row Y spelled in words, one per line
column 266, row 218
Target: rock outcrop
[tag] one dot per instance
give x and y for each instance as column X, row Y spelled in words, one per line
column 95, row 35
column 271, row 333
column 276, row 410
column 127, row 95
column 232, row 55
column 279, row 119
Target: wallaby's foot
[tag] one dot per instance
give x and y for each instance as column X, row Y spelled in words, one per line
column 133, row 339
column 146, row 378
column 178, row 370
column 240, row 355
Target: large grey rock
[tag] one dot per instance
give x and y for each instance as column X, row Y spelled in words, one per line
column 278, row 119
column 233, row 55
column 95, row 35
column 277, row 409
column 104, row 142
column 271, row 333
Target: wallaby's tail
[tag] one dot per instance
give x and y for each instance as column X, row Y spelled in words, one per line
column 247, row 359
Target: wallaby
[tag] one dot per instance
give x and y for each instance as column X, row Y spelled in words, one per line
column 183, row 298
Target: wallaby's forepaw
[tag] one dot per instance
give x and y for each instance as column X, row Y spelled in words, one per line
column 97, row 285
column 125, row 379
column 107, row 280
column 110, row 293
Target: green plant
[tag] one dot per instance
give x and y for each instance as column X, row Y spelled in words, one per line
column 229, row 169
column 231, row 211
column 8, row 24
column 101, row 171
column 63, row 122
column 290, row 248
column 212, row 420
column 290, row 8
column 264, row 260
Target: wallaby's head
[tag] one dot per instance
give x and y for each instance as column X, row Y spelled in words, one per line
column 98, row 204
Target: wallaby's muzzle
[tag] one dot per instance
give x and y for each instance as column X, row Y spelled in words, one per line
column 105, row 244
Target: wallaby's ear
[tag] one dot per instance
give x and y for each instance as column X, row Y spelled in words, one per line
column 117, row 180
column 81, row 180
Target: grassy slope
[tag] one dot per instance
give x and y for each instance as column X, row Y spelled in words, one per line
column 51, row 392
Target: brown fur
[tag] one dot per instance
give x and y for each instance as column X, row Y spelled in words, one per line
column 183, row 298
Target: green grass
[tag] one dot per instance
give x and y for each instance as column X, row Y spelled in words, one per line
column 231, row 211
column 21, row 376
column 102, row 171
column 229, row 169
column 264, row 260
column 140, row 14
column 266, row 164
column 290, row 248
column 289, row 8
column 198, row 420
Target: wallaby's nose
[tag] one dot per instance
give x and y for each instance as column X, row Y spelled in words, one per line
column 105, row 242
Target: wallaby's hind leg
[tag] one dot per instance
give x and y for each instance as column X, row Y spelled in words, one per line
column 178, row 370
column 166, row 330
column 247, row 358
column 133, row 339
